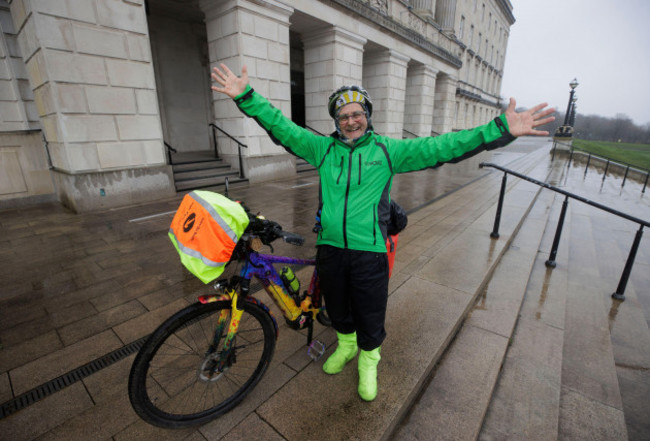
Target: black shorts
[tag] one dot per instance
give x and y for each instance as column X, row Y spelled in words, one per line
column 355, row 287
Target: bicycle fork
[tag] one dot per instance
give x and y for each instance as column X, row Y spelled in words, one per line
column 217, row 365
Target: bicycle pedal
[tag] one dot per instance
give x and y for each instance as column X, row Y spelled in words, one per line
column 316, row 349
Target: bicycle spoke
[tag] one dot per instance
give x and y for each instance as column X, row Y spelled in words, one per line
column 179, row 378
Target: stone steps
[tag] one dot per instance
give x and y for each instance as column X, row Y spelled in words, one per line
column 453, row 403
column 547, row 378
column 303, row 166
column 195, row 171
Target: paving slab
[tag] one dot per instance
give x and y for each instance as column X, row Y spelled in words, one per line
column 253, row 427
column 525, row 405
column 58, row 363
column 635, row 390
column 46, row 414
column 450, row 407
column 584, row 418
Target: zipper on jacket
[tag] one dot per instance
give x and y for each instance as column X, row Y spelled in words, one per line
column 374, row 224
column 347, row 194
column 341, row 173
column 359, row 169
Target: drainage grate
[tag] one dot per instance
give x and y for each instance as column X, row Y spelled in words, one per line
column 65, row 380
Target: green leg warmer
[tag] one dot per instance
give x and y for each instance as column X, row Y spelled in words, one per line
column 345, row 351
column 368, row 361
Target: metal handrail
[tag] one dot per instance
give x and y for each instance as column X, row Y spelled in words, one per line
column 239, row 146
column 609, row 160
column 408, row 132
column 620, row 290
column 170, row 149
column 314, row 130
column 616, row 161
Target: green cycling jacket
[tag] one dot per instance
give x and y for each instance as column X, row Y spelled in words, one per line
column 356, row 179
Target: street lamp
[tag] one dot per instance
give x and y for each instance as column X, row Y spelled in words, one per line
column 573, row 85
column 566, row 129
column 572, row 118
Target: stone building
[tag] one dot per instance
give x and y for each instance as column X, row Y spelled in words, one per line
column 94, row 93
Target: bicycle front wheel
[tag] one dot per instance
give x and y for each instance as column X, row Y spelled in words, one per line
column 174, row 381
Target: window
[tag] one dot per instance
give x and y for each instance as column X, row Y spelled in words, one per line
column 483, row 13
column 480, row 37
column 471, row 35
column 461, row 28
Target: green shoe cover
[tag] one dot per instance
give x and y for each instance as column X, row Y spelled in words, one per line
column 345, row 351
column 368, row 361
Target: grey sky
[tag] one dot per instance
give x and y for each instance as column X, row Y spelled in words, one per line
column 605, row 44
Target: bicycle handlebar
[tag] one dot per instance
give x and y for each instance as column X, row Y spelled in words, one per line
column 268, row 231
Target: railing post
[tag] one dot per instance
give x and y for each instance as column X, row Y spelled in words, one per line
column 570, row 157
column 646, row 182
column 620, row 291
column 625, row 177
column 241, row 164
column 588, row 161
column 214, row 141
column 495, row 231
column 606, row 168
column 550, row 263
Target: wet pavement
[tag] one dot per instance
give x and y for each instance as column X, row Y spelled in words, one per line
column 76, row 287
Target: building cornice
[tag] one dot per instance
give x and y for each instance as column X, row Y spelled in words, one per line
column 386, row 22
column 506, row 9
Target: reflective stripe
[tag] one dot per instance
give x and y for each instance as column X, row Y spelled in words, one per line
column 210, row 209
column 193, row 253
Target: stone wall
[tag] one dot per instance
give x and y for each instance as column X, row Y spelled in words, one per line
column 24, row 169
column 90, row 69
column 107, row 83
column 17, row 108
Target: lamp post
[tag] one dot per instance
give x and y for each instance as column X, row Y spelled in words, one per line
column 572, row 118
column 566, row 129
column 573, row 85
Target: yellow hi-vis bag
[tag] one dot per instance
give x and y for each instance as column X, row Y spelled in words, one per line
column 205, row 230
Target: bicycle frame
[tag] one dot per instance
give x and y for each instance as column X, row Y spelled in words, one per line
column 261, row 267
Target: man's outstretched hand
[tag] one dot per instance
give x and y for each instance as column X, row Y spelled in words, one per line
column 524, row 123
column 231, row 84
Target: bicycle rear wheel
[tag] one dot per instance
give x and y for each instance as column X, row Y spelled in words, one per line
column 173, row 382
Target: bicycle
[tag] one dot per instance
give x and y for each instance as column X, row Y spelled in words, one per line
column 202, row 361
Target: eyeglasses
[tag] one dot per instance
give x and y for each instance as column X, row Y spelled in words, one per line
column 352, row 116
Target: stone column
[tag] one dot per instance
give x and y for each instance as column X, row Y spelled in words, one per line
column 444, row 104
column 384, row 77
column 255, row 34
column 333, row 58
column 90, row 69
column 16, row 97
column 424, row 7
column 469, row 115
column 446, row 15
column 420, row 94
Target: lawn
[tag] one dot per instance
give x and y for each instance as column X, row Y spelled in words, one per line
column 637, row 155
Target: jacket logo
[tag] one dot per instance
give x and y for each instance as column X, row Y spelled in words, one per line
column 372, row 163
column 189, row 222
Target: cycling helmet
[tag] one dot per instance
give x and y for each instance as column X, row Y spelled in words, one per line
column 346, row 95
